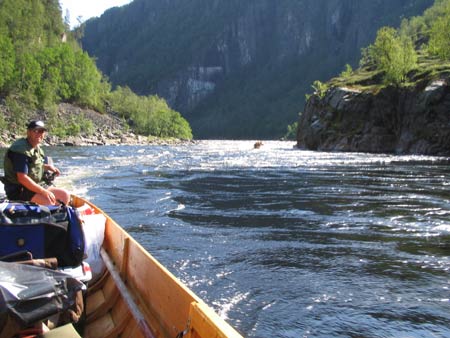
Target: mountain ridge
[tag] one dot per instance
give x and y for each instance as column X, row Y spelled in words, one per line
column 236, row 69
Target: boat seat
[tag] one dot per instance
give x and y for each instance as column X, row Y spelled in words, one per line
column 65, row 331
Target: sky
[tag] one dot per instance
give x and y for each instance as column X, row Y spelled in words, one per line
column 87, row 8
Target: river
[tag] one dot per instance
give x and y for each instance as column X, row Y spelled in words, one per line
column 283, row 242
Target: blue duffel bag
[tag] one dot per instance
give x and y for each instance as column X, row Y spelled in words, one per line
column 44, row 231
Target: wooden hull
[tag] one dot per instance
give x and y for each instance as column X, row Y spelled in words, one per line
column 138, row 297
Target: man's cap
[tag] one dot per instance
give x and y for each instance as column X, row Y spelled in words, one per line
column 36, row 125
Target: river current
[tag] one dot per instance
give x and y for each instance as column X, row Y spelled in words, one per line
column 283, row 242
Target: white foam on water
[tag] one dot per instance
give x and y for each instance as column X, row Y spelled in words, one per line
column 225, row 305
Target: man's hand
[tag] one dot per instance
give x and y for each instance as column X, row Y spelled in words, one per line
column 52, row 168
column 48, row 194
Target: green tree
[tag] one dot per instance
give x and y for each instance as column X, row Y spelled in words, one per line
column 31, row 24
column 439, row 43
column 320, row 88
column 89, row 88
column 393, row 54
column 51, row 82
column 291, row 133
column 7, row 62
column 347, row 72
column 27, row 78
column 124, row 102
column 149, row 115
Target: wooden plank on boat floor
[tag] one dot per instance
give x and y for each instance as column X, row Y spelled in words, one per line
column 99, row 327
column 98, row 284
column 94, row 301
column 100, row 302
column 132, row 331
column 111, row 324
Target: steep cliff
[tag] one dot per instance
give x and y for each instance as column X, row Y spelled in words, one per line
column 401, row 120
column 233, row 68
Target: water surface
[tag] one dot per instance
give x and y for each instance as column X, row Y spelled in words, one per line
column 283, row 242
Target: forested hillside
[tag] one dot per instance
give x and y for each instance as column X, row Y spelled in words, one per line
column 42, row 65
column 233, row 68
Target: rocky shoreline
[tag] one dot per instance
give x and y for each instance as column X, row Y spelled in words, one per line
column 109, row 130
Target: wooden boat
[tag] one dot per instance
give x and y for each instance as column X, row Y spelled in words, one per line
column 139, row 297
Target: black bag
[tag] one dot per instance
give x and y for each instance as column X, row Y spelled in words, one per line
column 45, row 231
column 30, row 294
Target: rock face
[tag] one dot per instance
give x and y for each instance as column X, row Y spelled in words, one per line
column 394, row 120
column 235, row 68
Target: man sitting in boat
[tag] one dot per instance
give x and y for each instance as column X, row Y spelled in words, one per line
column 24, row 166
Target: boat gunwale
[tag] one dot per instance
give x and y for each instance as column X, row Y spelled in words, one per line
column 125, row 252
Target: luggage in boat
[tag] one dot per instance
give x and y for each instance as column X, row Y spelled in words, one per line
column 94, row 232
column 31, row 295
column 45, row 231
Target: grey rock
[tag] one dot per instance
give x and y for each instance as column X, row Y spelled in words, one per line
column 401, row 120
